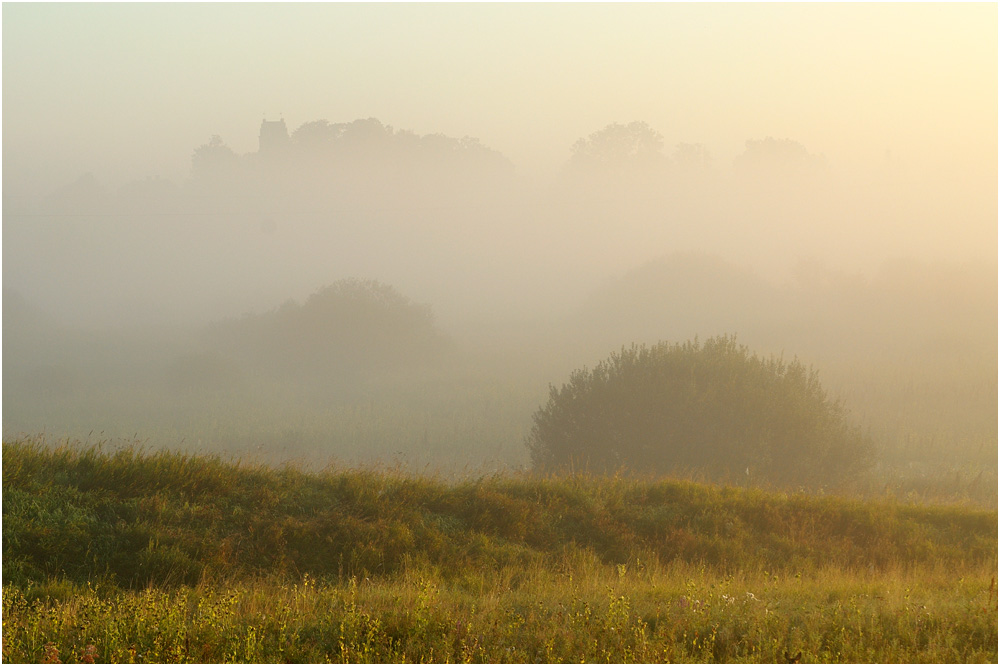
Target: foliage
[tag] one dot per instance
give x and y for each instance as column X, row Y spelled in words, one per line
column 777, row 155
column 619, row 146
column 345, row 327
column 584, row 612
column 123, row 556
column 912, row 352
column 214, row 160
column 166, row 519
column 712, row 407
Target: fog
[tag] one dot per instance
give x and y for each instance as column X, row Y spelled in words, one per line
column 199, row 201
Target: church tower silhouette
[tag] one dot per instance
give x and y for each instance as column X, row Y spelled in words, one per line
column 273, row 137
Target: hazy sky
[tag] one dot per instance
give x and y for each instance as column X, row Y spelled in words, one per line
column 129, row 90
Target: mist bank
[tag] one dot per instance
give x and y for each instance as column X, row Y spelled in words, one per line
column 455, row 223
column 361, row 372
column 356, row 292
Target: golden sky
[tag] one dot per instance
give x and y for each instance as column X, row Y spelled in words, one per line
column 133, row 88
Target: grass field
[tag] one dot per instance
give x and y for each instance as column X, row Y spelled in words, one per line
column 120, row 555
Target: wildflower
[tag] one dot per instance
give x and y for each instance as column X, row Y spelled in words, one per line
column 51, row 654
column 89, row 655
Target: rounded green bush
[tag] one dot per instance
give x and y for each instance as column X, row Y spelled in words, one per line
column 712, row 409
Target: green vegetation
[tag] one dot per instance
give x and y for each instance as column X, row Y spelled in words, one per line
column 589, row 613
column 342, row 329
column 360, row 374
column 120, row 555
column 711, row 407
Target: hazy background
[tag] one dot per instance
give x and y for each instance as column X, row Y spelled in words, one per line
column 531, row 186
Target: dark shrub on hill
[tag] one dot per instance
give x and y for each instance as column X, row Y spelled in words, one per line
column 712, row 408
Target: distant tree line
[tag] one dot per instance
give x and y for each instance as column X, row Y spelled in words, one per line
column 321, row 160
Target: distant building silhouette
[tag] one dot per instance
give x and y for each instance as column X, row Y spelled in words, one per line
column 273, row 138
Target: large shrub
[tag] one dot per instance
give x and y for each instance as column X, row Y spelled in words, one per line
column 713, row 409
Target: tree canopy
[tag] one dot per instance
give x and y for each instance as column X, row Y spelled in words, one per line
column 621, row 146
column 349, row 325
column 715, row 409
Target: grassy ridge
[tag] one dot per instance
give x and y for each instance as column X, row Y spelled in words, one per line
column 126, row 556
column 164, row 518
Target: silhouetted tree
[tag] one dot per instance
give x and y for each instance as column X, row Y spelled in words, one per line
column 777, row 155
column 633, row 145
column 345, row 327
column 213, row 159
column 714, row 408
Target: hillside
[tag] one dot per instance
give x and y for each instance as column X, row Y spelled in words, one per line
column 161, row 518
column 121, row 555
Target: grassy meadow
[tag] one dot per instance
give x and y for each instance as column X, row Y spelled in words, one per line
column 116, row 554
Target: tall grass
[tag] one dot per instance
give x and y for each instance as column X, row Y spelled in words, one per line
column 585, row 611
column 116, row 554
column 162, row 517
